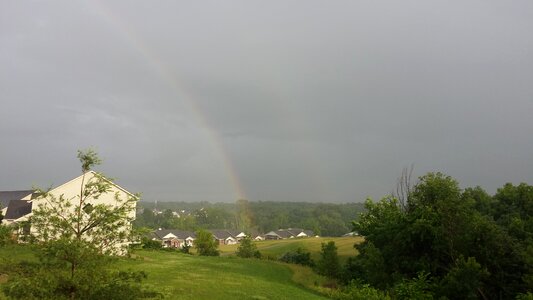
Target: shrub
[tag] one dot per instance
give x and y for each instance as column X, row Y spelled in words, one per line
column 248, row 249
column 358, row 291
column 299, row 256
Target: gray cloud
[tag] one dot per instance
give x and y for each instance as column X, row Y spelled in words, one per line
column 305, row 100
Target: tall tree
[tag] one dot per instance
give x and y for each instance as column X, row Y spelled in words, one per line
column 328, row 264
column 205, row 243
column 75, row 234
column 82, row 217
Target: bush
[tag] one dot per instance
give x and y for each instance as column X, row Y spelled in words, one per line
column 299, row 257
column 358, row 291
column 6, row 235
column 151, row 244
column 186, row 248
column 248, row 249
column 416, row 288
column 73, row 270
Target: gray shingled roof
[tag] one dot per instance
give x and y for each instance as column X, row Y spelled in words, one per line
column 17, row 209
column 180, row 234
column 6, row 196
column 221, row 234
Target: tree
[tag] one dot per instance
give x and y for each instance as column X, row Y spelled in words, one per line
column 82, row 217
column 328, row 264
column 205, row 244
column 448, row 234
column 248, row 248
column 75, row 234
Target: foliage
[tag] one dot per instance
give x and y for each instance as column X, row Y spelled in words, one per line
column 416, row 288
column 328, row 264
column 464, row 280
column 6, row 235
column 467, row 243
column 205, row 244
column 151, row 244
column 358, row 291
column 81, row 217
column 324, row 219
column 299, row 256
column 247, row 248
column 74, row 238
column 185, row 248
column 54, row 275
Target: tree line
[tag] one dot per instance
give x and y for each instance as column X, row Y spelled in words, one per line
column 443, row 242
column 325, row 219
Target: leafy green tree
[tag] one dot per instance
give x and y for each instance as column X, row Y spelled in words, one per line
column 328, row 264
column 74, row 238
column 80, row 218
column 205, row 243
column 433, row 233
column 53, row 277
column 247, row 248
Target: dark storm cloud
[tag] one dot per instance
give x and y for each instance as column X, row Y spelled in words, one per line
column 306, row 100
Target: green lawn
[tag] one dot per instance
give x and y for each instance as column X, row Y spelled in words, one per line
column 276, row 248
column 181, row 276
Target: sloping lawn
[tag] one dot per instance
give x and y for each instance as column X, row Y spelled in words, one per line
column 181, row 276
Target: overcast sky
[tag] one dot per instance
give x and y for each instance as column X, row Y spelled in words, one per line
column 266, row 100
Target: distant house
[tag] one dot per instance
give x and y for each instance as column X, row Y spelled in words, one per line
column 20, row 204
column 224, row 237
column 289, row 233
column 172, row 238
column 239, row 235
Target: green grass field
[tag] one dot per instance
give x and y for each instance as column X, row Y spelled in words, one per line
column 181, row 276
column 276, row 248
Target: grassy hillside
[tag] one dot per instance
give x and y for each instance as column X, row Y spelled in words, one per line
column 276, row 248
column 181, row 276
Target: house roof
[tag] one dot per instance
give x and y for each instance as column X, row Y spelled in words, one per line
column 309, row 232
column 6, row 196
column 179, row 234
column 17, row 209
column 284, row 233
column 221, row 234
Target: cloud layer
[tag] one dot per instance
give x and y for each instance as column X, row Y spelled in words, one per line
column 287, row 101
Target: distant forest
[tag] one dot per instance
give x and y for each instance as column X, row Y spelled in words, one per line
column 325, row 219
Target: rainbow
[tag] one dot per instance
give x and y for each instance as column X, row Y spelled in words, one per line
column 173, row 83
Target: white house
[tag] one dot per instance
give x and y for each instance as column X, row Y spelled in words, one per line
column 21, row 208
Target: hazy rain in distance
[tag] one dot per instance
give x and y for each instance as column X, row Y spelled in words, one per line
column 278, row 100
